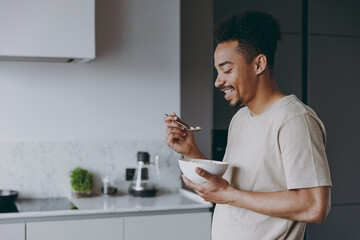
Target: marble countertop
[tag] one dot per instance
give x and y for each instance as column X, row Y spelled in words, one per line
column 121, row 205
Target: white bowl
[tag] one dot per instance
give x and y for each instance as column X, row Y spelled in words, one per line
column 188, row 166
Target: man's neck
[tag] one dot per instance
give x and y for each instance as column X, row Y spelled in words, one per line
column 267, row 94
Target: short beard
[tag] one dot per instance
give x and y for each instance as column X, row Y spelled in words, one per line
column 237, row 104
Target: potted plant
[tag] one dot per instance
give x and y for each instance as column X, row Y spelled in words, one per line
column 81, row 182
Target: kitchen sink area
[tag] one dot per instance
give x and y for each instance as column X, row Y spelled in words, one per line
column 43, row 205
column 32, row 209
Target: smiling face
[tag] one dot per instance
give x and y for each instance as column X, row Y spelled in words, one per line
column 236, row 78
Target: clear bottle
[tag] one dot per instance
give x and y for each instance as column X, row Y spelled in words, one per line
column 108, row 186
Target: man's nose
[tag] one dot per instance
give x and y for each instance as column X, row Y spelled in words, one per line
column 219, row 81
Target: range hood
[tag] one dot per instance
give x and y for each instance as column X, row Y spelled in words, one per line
column 47, row 30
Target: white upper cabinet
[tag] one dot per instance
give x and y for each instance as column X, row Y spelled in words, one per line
column 47, row 30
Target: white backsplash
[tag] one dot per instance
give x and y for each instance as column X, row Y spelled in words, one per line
column 42, row 169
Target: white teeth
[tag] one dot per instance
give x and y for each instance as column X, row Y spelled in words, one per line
column 229, row 90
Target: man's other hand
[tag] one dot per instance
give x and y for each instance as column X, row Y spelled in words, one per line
column 215, row 190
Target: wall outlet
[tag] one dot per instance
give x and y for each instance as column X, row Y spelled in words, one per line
column 129, row 174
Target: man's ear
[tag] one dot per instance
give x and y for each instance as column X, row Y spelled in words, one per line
column 260, row 63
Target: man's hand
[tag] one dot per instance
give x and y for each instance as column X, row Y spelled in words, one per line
column 179, row 139
column 215, row 190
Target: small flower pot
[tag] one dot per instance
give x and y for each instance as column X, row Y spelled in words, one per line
column 84, row 194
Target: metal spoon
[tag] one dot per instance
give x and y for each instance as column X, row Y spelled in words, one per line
column 186, row 126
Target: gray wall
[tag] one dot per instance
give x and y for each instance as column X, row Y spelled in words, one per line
column 122, row 94
column 333, row 77
column 196, row 69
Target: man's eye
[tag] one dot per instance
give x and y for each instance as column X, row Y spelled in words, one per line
column 228, row 71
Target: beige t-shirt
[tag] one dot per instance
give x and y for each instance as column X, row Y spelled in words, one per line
column 281, row 149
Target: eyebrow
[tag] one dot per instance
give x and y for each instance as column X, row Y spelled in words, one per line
column 224, row 63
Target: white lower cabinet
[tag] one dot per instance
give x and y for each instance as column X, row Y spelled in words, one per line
column 92, row 229
column 169, row 227
column 12, row 231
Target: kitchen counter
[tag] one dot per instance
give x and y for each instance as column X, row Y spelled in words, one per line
column 109, row 206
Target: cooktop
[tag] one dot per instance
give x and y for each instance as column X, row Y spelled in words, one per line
column 39, row 204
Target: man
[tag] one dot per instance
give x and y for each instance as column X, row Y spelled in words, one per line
column 278, row 177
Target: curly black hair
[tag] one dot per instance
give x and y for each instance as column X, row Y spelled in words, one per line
column 256, row 33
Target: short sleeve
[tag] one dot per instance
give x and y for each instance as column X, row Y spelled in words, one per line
column 302, row 146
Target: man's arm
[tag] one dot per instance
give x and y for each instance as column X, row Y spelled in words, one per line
column 306, row 205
